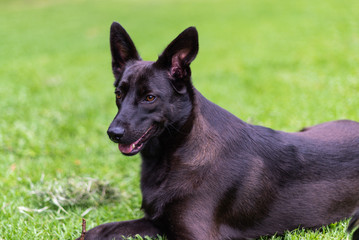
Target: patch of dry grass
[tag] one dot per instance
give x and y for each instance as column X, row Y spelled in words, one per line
column 76, row 191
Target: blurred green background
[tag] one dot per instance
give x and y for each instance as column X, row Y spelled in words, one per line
column 282, row 64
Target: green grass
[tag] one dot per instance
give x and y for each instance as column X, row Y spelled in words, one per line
column 282, row 64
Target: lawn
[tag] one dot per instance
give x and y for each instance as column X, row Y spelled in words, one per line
column 282, row 64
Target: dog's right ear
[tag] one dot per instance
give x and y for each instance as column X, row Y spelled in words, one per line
column 122, row 48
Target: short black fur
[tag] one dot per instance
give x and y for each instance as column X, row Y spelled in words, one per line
column 207, row 174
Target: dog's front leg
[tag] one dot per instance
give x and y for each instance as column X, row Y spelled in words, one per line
column 116, row 230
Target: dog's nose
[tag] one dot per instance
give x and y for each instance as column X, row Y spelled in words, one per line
column 115, row 133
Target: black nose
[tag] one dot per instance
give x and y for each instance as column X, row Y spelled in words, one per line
column 115, row 133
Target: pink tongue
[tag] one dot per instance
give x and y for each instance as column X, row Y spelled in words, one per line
column 125, row 148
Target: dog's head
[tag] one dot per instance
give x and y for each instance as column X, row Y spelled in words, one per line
column 151, row 96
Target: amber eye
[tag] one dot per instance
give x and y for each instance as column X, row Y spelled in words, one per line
column 119, row 95
column 150, row 98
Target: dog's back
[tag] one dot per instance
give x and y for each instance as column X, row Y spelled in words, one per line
column 336, row 131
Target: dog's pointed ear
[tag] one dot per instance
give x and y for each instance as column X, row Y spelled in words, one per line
column 179, row 54
column 122, row 48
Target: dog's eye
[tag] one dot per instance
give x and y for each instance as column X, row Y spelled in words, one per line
column 119, row 95
column 150, row 98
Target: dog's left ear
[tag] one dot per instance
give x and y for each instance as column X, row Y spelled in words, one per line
column 122, row 48
column 180, row 53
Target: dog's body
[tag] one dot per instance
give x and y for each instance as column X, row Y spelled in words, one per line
column 208, row 175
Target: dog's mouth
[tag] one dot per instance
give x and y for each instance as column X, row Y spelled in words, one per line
column 135, row 147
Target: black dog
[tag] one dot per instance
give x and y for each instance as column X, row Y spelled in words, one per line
column 207, row 174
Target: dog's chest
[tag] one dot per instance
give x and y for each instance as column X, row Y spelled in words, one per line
column 164, row 182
